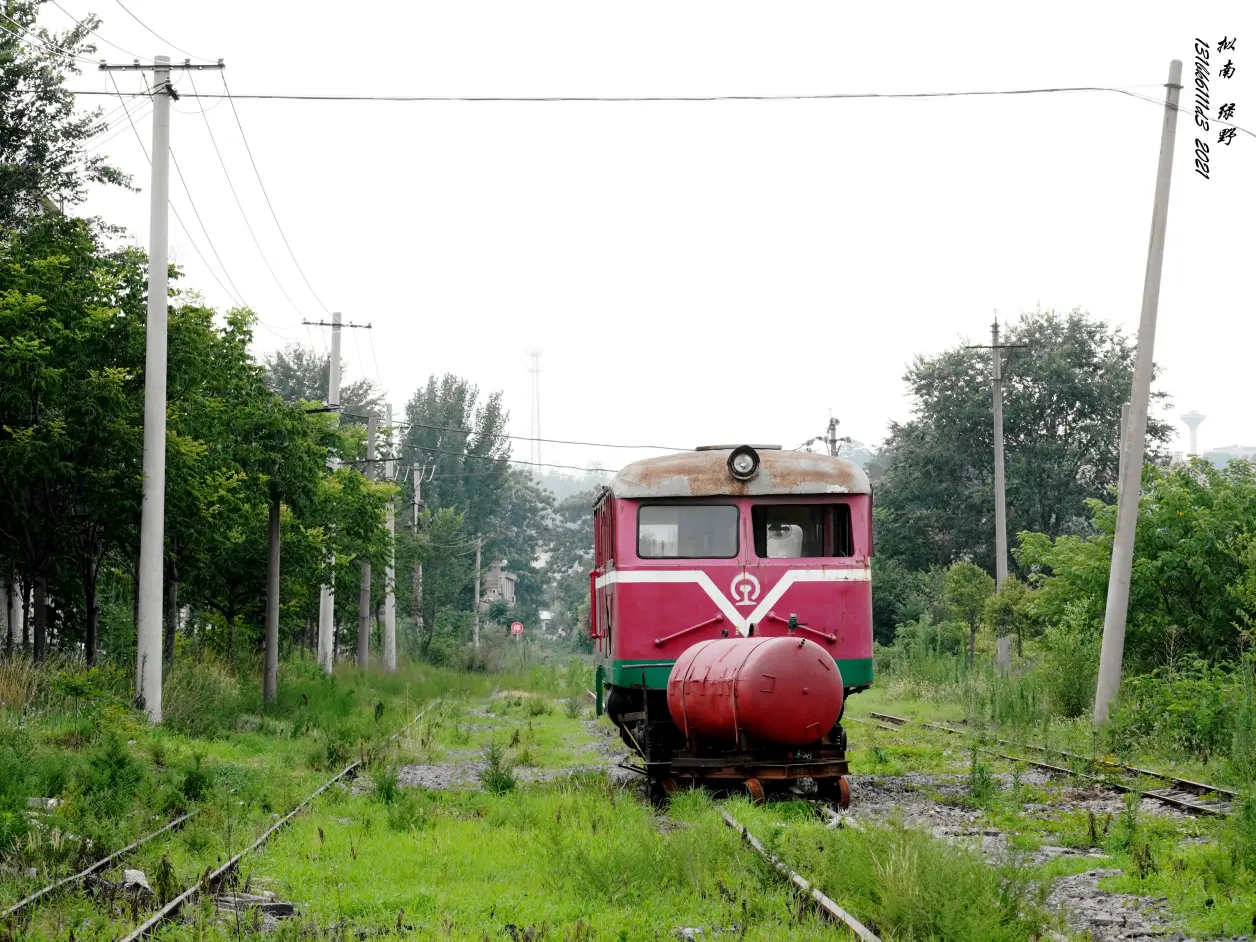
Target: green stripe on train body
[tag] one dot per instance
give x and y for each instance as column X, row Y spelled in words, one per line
column 856, row 672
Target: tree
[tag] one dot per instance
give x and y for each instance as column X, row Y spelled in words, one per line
column 299, row 374
column 466, row 441
column 1192, row 549
column 968, row 588
column 521, row 535
column 43, row 163
column 70, row 408
column 1062, row 400
column 1006, row 612
column 571, row 560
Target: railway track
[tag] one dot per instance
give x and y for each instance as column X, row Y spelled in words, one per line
column 212, row 879
column 822, row 902
column 1180, row 793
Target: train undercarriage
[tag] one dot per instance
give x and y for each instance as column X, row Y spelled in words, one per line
column 671, row 762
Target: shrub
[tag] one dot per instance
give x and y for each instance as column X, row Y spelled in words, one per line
column 498, row 778
column 385, row 785
column 1072, row 659
column 200, row 698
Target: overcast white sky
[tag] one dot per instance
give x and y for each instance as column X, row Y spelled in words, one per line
column 711, row 272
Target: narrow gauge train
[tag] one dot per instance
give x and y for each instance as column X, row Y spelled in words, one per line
column 731, row 612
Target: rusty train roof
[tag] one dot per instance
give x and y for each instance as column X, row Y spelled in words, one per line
column 706, row 474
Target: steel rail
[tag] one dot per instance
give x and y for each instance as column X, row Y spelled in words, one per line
column 98, row 865
column 826, row 905
column 1185, row 784
column 212, row 880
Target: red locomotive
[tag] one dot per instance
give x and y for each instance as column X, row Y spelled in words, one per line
column 731, row 610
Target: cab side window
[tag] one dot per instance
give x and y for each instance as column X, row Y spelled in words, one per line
column 799, row 531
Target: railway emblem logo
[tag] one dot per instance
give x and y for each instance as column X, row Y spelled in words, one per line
column 745, row 589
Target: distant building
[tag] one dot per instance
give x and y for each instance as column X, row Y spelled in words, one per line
column 499, row 586
column 1220, row 457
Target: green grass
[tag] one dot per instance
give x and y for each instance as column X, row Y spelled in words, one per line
column 115, row 778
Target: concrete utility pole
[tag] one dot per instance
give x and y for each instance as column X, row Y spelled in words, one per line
column 831, row 437
column 1000, row 486
column 475, row 608
column 418, row 473
column 153, row 506
column 1113, row 650
column 327, row 595
column 390, row 575
column 1125, row 424
column 270, row 671
column 364, row 590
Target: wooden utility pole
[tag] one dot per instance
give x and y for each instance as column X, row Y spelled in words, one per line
column 364, row 591
column 1117, row 611
column 475, row 609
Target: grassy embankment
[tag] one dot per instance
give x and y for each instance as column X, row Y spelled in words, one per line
column 565, row 857
column 1194, row 723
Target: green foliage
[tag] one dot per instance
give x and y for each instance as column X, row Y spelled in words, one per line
column 1183, row 710
column 968, row 588
column 497, row 777
column 1062, row 400
column 1193, row 560
column 44, row 162
column 1071, row 648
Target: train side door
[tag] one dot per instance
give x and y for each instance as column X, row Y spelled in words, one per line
column 603, row 563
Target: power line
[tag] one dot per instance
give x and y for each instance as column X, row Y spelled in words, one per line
column 457, row 454
column 238, row 297
column 821, row 96
column 1124, row 90
column 142, row 112
column 269, row 204
column 178, row 218
column 26, row 34
column 240, row 205
column 552, row 441
column 158, row 35
column 79, row 23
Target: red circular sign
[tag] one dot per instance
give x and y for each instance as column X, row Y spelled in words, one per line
column 516, row 628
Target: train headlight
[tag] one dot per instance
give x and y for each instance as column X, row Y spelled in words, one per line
column 743, row 463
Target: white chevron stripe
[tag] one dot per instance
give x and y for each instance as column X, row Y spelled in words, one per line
column 741, row 622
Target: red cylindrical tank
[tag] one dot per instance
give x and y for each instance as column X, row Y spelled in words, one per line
column 775, row 690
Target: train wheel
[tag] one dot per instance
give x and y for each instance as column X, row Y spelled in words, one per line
column 835, row 791
column 755, row 788
column 662, row 790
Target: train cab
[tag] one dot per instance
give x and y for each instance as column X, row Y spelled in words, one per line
column 722, row 544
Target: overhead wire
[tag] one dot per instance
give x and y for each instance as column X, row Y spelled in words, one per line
column 79, row 23
column 173, row 208
column 551, row 441
column 158, row 35
column 240, row 206
column 269, row 204
column 24, row 33
column 238, row 297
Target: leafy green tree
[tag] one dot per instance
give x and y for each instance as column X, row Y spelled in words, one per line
column 70, row 408
column 1062, row 400
column 1196, row 524
column 520, row 533
column 44, row 165
column 968, row 589
column 465, row 439
column 571, row 559
column 448, row 568
column 1006, row 612
column 298, row 374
